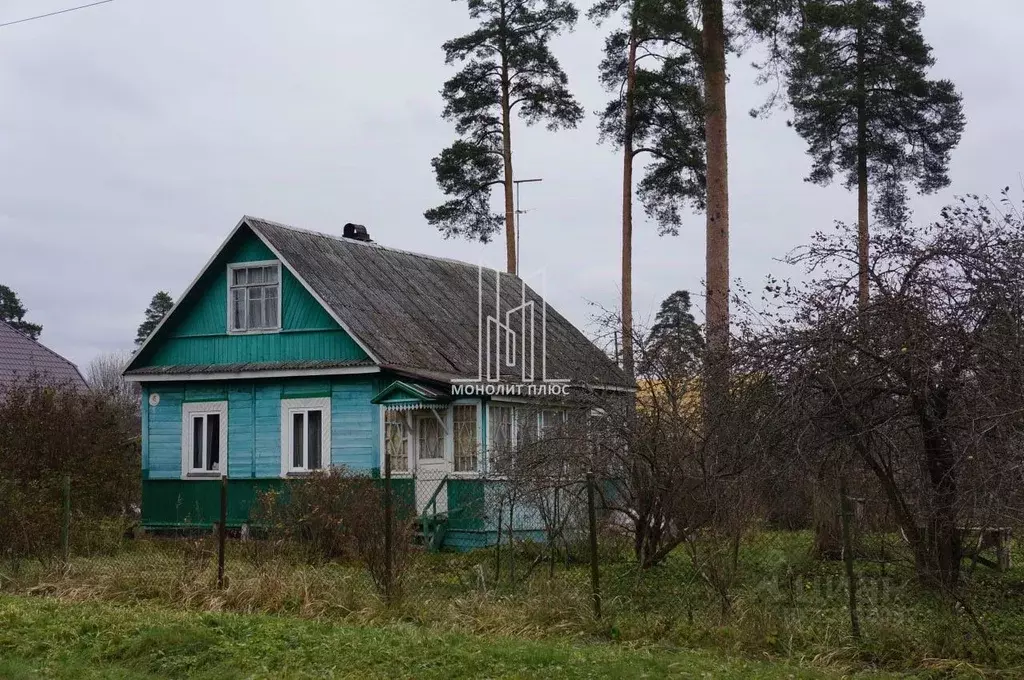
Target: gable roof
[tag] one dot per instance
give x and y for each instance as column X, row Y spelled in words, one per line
column 411, row 313
column 21, row 357
column 419, row 313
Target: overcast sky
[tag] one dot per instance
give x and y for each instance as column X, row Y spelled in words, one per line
column 134, row 135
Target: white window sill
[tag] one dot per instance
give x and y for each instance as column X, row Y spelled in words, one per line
column 212, row 474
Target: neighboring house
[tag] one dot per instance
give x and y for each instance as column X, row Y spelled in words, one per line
column 22, row 358
column 293, row 351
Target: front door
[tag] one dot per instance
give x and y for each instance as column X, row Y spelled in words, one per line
column 431, row 464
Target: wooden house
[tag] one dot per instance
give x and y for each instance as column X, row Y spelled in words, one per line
column 292, row 351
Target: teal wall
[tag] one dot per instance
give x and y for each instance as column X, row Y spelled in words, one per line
column 254, row 423
column 197, row 332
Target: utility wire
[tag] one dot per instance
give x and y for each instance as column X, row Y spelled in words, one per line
column 62, row 11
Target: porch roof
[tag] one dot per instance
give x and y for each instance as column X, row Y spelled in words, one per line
column 405, row 395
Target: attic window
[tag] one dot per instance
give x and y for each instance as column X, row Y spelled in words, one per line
column 254, row 300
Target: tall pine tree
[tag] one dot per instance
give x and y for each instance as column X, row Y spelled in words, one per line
column 652, row 66
column 155, row 313
column 857, row 73
column 507, row 68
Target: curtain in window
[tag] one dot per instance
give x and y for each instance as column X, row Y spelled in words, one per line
column 431, row 439
column 396, row 441
column 464, row 423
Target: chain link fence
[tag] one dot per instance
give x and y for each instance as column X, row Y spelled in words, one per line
column 489, row 555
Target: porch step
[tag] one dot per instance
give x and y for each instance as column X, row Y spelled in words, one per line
column 436, row 529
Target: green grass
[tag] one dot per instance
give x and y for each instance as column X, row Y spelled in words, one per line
column 46, row 638
column 785, row 606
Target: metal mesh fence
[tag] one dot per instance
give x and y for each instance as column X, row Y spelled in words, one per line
column 487, row 554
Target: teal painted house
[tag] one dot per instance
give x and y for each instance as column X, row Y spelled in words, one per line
column 293, row 351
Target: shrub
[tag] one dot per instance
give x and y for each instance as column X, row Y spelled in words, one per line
column 338, row 515
column 48, row 432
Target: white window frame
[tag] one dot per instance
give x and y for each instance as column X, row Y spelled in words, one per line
column 190, row 410
column 289, row 407
column 409, row 448
column 450, row 437
column 444, row 423
column 230, row 304
column 514, row 408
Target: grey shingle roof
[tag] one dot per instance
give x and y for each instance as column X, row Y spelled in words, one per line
column 418, row 313
column 21, row 357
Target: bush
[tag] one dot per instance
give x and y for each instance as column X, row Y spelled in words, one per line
column 337, row 515
column 48, row 432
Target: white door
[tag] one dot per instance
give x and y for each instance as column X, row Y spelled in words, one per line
column 431, row 463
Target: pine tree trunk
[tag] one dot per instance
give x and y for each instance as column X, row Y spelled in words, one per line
column 863, row 294
column 627, row 208
column 506, row 154
column 717, row 256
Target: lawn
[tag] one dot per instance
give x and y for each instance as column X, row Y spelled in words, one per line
column 41, row 637
column 154, row 606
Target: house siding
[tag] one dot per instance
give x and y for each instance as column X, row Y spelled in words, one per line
column 254, row 423
column 197, row 334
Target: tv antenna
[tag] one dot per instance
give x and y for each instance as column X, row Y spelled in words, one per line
column 519, row 215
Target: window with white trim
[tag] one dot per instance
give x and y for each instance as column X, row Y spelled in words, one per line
column 501, row 433
column 204, row 438
column 464, row 428
column 550, row 421
column 305, row 434
column 396, row 440
column 429, row 438
column 254, row 297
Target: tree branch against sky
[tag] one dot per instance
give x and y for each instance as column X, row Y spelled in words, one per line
column 507, row 69
column 654, row 74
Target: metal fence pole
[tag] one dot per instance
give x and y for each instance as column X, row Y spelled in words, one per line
column 595, row 574
column 65, row 521
column 851, row 577
column 388, row 538
column 222, row 530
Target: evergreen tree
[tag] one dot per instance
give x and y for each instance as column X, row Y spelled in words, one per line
column 857, row 73
column 507, row 68
column 716, row 261
column 157, row 310
column 13, row 313
column 652, row 65
column 675, row 338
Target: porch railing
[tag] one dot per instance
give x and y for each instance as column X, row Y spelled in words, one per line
column 433, row 531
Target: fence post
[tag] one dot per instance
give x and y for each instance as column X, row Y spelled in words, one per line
column 595, row 575
column 388, row 537
column 65, row 521
column 851, row 577
column 222, row 530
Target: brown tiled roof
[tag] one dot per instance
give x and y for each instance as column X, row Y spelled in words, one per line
column 22, row 358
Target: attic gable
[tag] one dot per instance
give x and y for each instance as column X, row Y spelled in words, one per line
column 195, row 332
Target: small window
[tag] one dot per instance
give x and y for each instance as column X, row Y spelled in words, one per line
column 550, row 421
column 396, row 440
column 430, row 438
column 204, row 430
column 255, row 296
column 305, row 430
column 526, row 426
column 465, row 444
column 501, row 428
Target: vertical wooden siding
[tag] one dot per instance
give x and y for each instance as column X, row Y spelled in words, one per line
column 254, row 423
column 198, row 334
